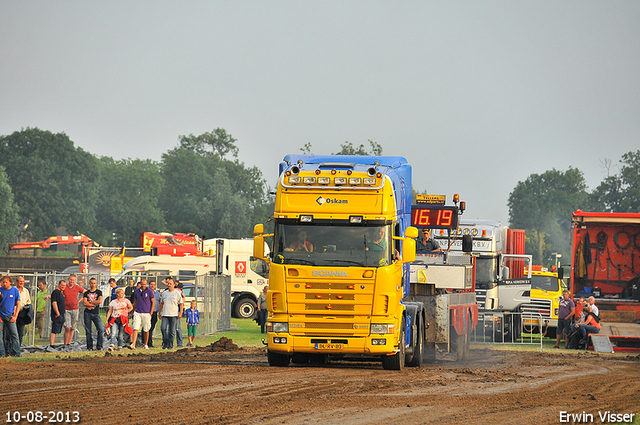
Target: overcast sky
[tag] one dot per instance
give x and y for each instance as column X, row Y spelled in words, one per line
column 476, row 95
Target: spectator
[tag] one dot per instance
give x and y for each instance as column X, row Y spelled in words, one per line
column 130, row 290
column 427, row 243
column 9, row 307
column 114, row 286
column 594, row 308
column 92, row 299
column 566, row 312
column 156, row 307
column 262, row 310
column 25, row 303
column 143, row 304
column 118, row 319
column 179, row 339
column 591, row 325
column 582, row 303
column 193, row 320
column 57, row 311
column 40, row 301
column 71, row 310
column 171, row 306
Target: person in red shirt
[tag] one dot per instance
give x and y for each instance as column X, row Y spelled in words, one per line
column 71, row 311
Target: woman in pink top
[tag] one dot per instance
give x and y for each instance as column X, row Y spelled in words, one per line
column 118, row 319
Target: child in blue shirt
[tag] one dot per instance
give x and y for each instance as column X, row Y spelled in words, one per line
column 193, row 320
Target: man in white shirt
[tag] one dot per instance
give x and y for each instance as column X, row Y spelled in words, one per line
column 171, row 308
column 594, row 308
column 25, row 299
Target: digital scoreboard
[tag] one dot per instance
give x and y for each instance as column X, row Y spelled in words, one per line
column 434, row 216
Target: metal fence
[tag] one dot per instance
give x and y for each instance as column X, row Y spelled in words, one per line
column 213, row 302
column 508, row 328
column 215, row 313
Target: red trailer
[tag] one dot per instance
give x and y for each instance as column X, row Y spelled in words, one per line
column 606, row 262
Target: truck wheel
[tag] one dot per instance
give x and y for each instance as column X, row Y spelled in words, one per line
column 416, row 360
column 245, row 308
column 277, row 359
column 396, row 361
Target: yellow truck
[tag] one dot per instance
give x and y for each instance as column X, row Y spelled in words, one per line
column 340, row 275
column 545, row 294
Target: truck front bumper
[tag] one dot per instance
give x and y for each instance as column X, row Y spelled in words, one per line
column 372, row 345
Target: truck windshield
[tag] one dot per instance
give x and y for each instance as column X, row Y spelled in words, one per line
column 320, row 245
column 545, row 283
column 486, row 271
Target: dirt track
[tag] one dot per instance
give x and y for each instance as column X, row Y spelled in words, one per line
column 239, row 387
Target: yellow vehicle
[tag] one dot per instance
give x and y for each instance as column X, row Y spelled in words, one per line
column 339, row 263
column 546, row 292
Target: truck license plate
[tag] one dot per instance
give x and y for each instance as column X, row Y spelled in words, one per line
column 328, row 346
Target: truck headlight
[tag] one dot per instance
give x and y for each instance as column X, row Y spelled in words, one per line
column 383, row 328
column 278, row 327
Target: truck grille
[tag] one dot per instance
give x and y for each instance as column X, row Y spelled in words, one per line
column 336, row 307
column 537, row 307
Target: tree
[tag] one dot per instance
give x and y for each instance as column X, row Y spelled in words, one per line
column 349, row 149
column 218, row 143
column 128, row 202
column 8, row 212
column 620, row 192
column 208, row 194
column 543, row 205
column 53, row 182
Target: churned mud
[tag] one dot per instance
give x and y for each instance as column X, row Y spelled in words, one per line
column 224, row 384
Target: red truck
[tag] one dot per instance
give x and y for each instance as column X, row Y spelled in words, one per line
column 606, row 262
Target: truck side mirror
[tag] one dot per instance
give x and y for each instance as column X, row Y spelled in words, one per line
column 560, row 272
column 258, row 241
column 411, row 232
column 467, row 243
column 408, row 250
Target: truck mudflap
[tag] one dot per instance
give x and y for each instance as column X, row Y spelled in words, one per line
column 373, row 345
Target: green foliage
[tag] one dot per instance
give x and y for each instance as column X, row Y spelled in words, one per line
column 128, row 201
column 53, row 182
column 208, row 194
column 543, row 205
column 349, row 149
column 9, row 220
column 217, row 143
column 306, row 149
column 620, row 192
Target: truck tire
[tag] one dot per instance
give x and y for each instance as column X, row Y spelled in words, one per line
column 277, row 359
column 396, row 361
column 418, row 350
column 245, row 308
